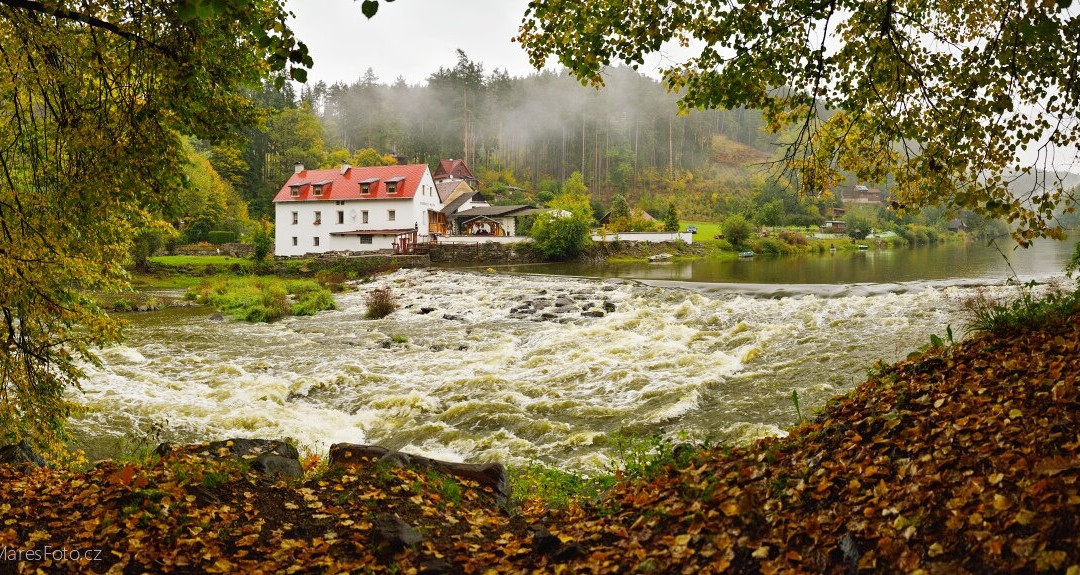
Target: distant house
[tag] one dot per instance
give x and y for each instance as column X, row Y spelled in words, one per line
column 862, row 195
column 640, row 213
column 956, row 225
column 386, row 208
column 834, row 227
column 455, row 170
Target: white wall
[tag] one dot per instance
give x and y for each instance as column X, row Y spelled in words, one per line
column 649, row 237
column 407, row 214
column 470, row 240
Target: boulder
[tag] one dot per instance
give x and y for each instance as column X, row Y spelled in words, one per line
column 20, row 454
column 608, row 306
column 426, row 310
column 563, row 302
column 390, row 533
column 593, row 313
column 216, row 317
column 267, row 456
column 489, row 475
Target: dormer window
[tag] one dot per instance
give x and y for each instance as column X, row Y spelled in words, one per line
column 316, row 190
column 294, row 191
column 365, row 186
column 392, row 184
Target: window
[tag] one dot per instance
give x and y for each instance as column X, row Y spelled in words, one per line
column 365, row 239
column 391, row 187
column 341, row 216
column 294, row 240
column 363, row 216
column 294, row 191
column 295, row 218
column 315, row 241
column 317, row 189
column 365, row 188
column 391, row 215
column 318, row 218
column 339, row 203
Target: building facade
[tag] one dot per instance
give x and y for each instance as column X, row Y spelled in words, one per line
column 375, row 208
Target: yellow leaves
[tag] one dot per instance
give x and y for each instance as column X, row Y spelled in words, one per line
column 935, row 550
column 1001, row 502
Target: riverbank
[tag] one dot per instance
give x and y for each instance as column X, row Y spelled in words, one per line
column 959, row 459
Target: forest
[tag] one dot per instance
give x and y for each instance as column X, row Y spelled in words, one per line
column 522, row 136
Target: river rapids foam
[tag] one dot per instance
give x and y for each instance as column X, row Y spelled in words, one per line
column 476, row 378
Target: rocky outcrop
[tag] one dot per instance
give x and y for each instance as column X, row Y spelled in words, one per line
column 270, row 457
column 488, row 475
column 20, row 454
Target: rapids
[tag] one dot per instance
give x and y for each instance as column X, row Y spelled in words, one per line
column 479, row 379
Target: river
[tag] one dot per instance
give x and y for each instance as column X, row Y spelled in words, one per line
column 468, row 369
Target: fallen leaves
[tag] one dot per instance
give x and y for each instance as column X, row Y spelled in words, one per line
column 967, row 462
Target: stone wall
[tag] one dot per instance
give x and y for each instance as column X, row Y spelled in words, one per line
column 484, row 252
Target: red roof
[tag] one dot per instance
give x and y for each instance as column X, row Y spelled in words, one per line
column 338, row 186
column 456, row 168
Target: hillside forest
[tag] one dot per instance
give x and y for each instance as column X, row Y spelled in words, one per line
column 523, row 137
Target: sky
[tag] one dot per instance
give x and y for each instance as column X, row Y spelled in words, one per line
column 413, row 38
column 410, row 38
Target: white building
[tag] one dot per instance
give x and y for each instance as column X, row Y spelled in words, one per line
column 354, row 209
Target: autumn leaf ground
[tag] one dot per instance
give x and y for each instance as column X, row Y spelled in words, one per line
column 961, row 460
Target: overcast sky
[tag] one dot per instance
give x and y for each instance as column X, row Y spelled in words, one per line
column 410, row 38
column 413, row 38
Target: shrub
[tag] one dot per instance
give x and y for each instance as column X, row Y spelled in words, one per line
column 773, row 246
column 380, row 303
column 560, row 238
column 331, row 280
column 793, row 238
column 736, row 229
column 218, row 237
column 262, row 240
column 1027, row 310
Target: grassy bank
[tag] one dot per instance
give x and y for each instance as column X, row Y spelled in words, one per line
column 262, row 298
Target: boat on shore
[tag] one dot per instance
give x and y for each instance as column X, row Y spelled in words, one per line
column 746, row 254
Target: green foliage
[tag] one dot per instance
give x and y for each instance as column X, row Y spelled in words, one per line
column 1029, row 309
column 263, row 299
column 736, row 229
column 95, row 100
column 772, row 246
column 671, row 219
column 146, row 244
column 380, row 303
column 858, row 226
column 563, row 232
column 619, row 207
column 219, row 237
column 262, row 239
column 883, row 80
column 795, row 402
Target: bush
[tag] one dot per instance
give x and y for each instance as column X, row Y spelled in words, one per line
column 736, row 229
column 331, row 280
column 772, row 246
column 1027, row 310
column 262, row 240
column 793, row 238
column 219, row 237
column 380, row 303
column 560, row 238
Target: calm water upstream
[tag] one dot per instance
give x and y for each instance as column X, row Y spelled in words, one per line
column 705, row 350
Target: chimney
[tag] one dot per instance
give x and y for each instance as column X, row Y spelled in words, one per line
column 345, row 169
column 299, row 167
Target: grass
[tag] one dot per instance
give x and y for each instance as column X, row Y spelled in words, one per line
column 263, row 298
column 1027, row 310
column 633, row 458
column 196, row 261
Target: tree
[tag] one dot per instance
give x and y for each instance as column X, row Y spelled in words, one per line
column 262, row 239
column 95, row 98
column 736, row 229
column 938, row 97
column 619, row 207
column 858, row 226
column 671, row 219
column 563, row 231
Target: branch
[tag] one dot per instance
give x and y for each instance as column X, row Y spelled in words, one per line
column 74, row 16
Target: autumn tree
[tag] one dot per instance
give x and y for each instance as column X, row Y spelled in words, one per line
column 95, row 98
column 949, row 100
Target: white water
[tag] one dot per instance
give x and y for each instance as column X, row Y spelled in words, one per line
column 489, row 386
